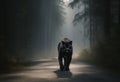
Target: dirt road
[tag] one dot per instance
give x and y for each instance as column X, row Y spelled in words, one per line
column 47, row 71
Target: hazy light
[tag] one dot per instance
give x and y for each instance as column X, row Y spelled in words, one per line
column 66, row 0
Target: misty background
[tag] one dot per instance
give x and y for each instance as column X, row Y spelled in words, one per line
column 32, row 29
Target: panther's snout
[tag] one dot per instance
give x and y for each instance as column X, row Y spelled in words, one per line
column 67, row 51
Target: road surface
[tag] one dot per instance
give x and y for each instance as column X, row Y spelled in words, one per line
column 47, row 71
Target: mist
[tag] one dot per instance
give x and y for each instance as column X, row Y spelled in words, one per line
column 52, row 35
column 31, row 30
column 34, row 28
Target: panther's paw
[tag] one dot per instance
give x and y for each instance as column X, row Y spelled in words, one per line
column 67, row 69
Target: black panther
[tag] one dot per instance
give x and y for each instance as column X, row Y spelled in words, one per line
column 65, row 51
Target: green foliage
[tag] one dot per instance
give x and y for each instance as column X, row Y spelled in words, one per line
column 85, row 55
column 105, row 54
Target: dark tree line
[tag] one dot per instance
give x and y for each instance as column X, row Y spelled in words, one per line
column 26, row 26
column 104, row 31
column 105, row 39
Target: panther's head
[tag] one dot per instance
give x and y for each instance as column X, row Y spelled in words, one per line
column 67, row 45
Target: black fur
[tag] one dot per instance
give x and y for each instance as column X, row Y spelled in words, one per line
column 65, row 51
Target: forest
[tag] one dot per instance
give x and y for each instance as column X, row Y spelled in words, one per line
column 104, row 32
column 31, row 27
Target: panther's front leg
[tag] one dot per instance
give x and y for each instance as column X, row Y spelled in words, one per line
column 67, row 61
column 61, row 62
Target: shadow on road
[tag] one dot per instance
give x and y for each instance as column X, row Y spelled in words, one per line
column 63, row 74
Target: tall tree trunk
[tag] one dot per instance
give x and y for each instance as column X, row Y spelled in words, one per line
column 119, row 12
column 107, row 18
column 90, row 20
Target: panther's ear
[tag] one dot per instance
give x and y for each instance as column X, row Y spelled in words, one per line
column 71, row 42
